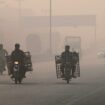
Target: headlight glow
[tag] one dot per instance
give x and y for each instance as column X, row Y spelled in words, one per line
column 16, row 62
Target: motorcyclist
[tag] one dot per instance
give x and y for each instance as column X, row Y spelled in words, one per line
column 18, row 55
column 3, row 54
column 66, row 56
column 75, row 60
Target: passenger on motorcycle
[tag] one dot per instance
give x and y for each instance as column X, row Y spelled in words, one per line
column 75, row 61
column 18, row 55
column 66, row 56
column 3, row 54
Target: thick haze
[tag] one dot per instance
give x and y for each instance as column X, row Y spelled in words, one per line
column 12, row 31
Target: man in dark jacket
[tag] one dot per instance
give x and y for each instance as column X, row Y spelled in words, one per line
column 66, row 56
column 18, row 55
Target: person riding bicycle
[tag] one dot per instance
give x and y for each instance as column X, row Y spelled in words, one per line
column 18, row 55
column 66, row 56
column 3, row 54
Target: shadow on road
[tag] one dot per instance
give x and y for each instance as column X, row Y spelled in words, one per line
column 59, row 83
column 41, row 83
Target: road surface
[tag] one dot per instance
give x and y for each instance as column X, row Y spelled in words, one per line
column 43, row 88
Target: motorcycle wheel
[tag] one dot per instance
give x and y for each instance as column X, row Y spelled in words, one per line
column 67, row 81
column 1, row 73
column 15, row 80
column 20, row 81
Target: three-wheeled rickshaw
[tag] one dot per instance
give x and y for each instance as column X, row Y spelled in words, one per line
column 67, row 70
column 15, row 66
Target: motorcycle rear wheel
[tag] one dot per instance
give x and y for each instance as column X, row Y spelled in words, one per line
column 16, row 81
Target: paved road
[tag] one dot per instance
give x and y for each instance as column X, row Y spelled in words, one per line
column 42, row 88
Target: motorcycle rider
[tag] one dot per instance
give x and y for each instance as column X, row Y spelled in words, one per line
column 18, row 55
column 3, row 54
column 66, row 56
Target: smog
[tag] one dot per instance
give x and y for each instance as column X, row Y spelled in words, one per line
column 44, row 28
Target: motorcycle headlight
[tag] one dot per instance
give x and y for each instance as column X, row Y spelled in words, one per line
column 16, row 62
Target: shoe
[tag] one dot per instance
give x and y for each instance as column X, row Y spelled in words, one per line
column 62, row 76
column 24, row 76
column 74, row 76
column 4, row 69
column 12, row 76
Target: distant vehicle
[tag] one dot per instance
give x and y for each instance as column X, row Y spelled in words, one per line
column 101, row 53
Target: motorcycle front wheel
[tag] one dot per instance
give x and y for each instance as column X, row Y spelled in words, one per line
column 20, row 80
column 1, row 72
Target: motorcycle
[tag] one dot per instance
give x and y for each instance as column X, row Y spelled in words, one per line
column 67, row 66
column 67, row 72
column 15, row 67
column 18, row 75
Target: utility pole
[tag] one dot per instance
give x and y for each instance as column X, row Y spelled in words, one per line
column 19, row 13
column 50, row 26
column 19, row 7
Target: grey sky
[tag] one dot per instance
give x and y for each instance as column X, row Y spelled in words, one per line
column 59, row 7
